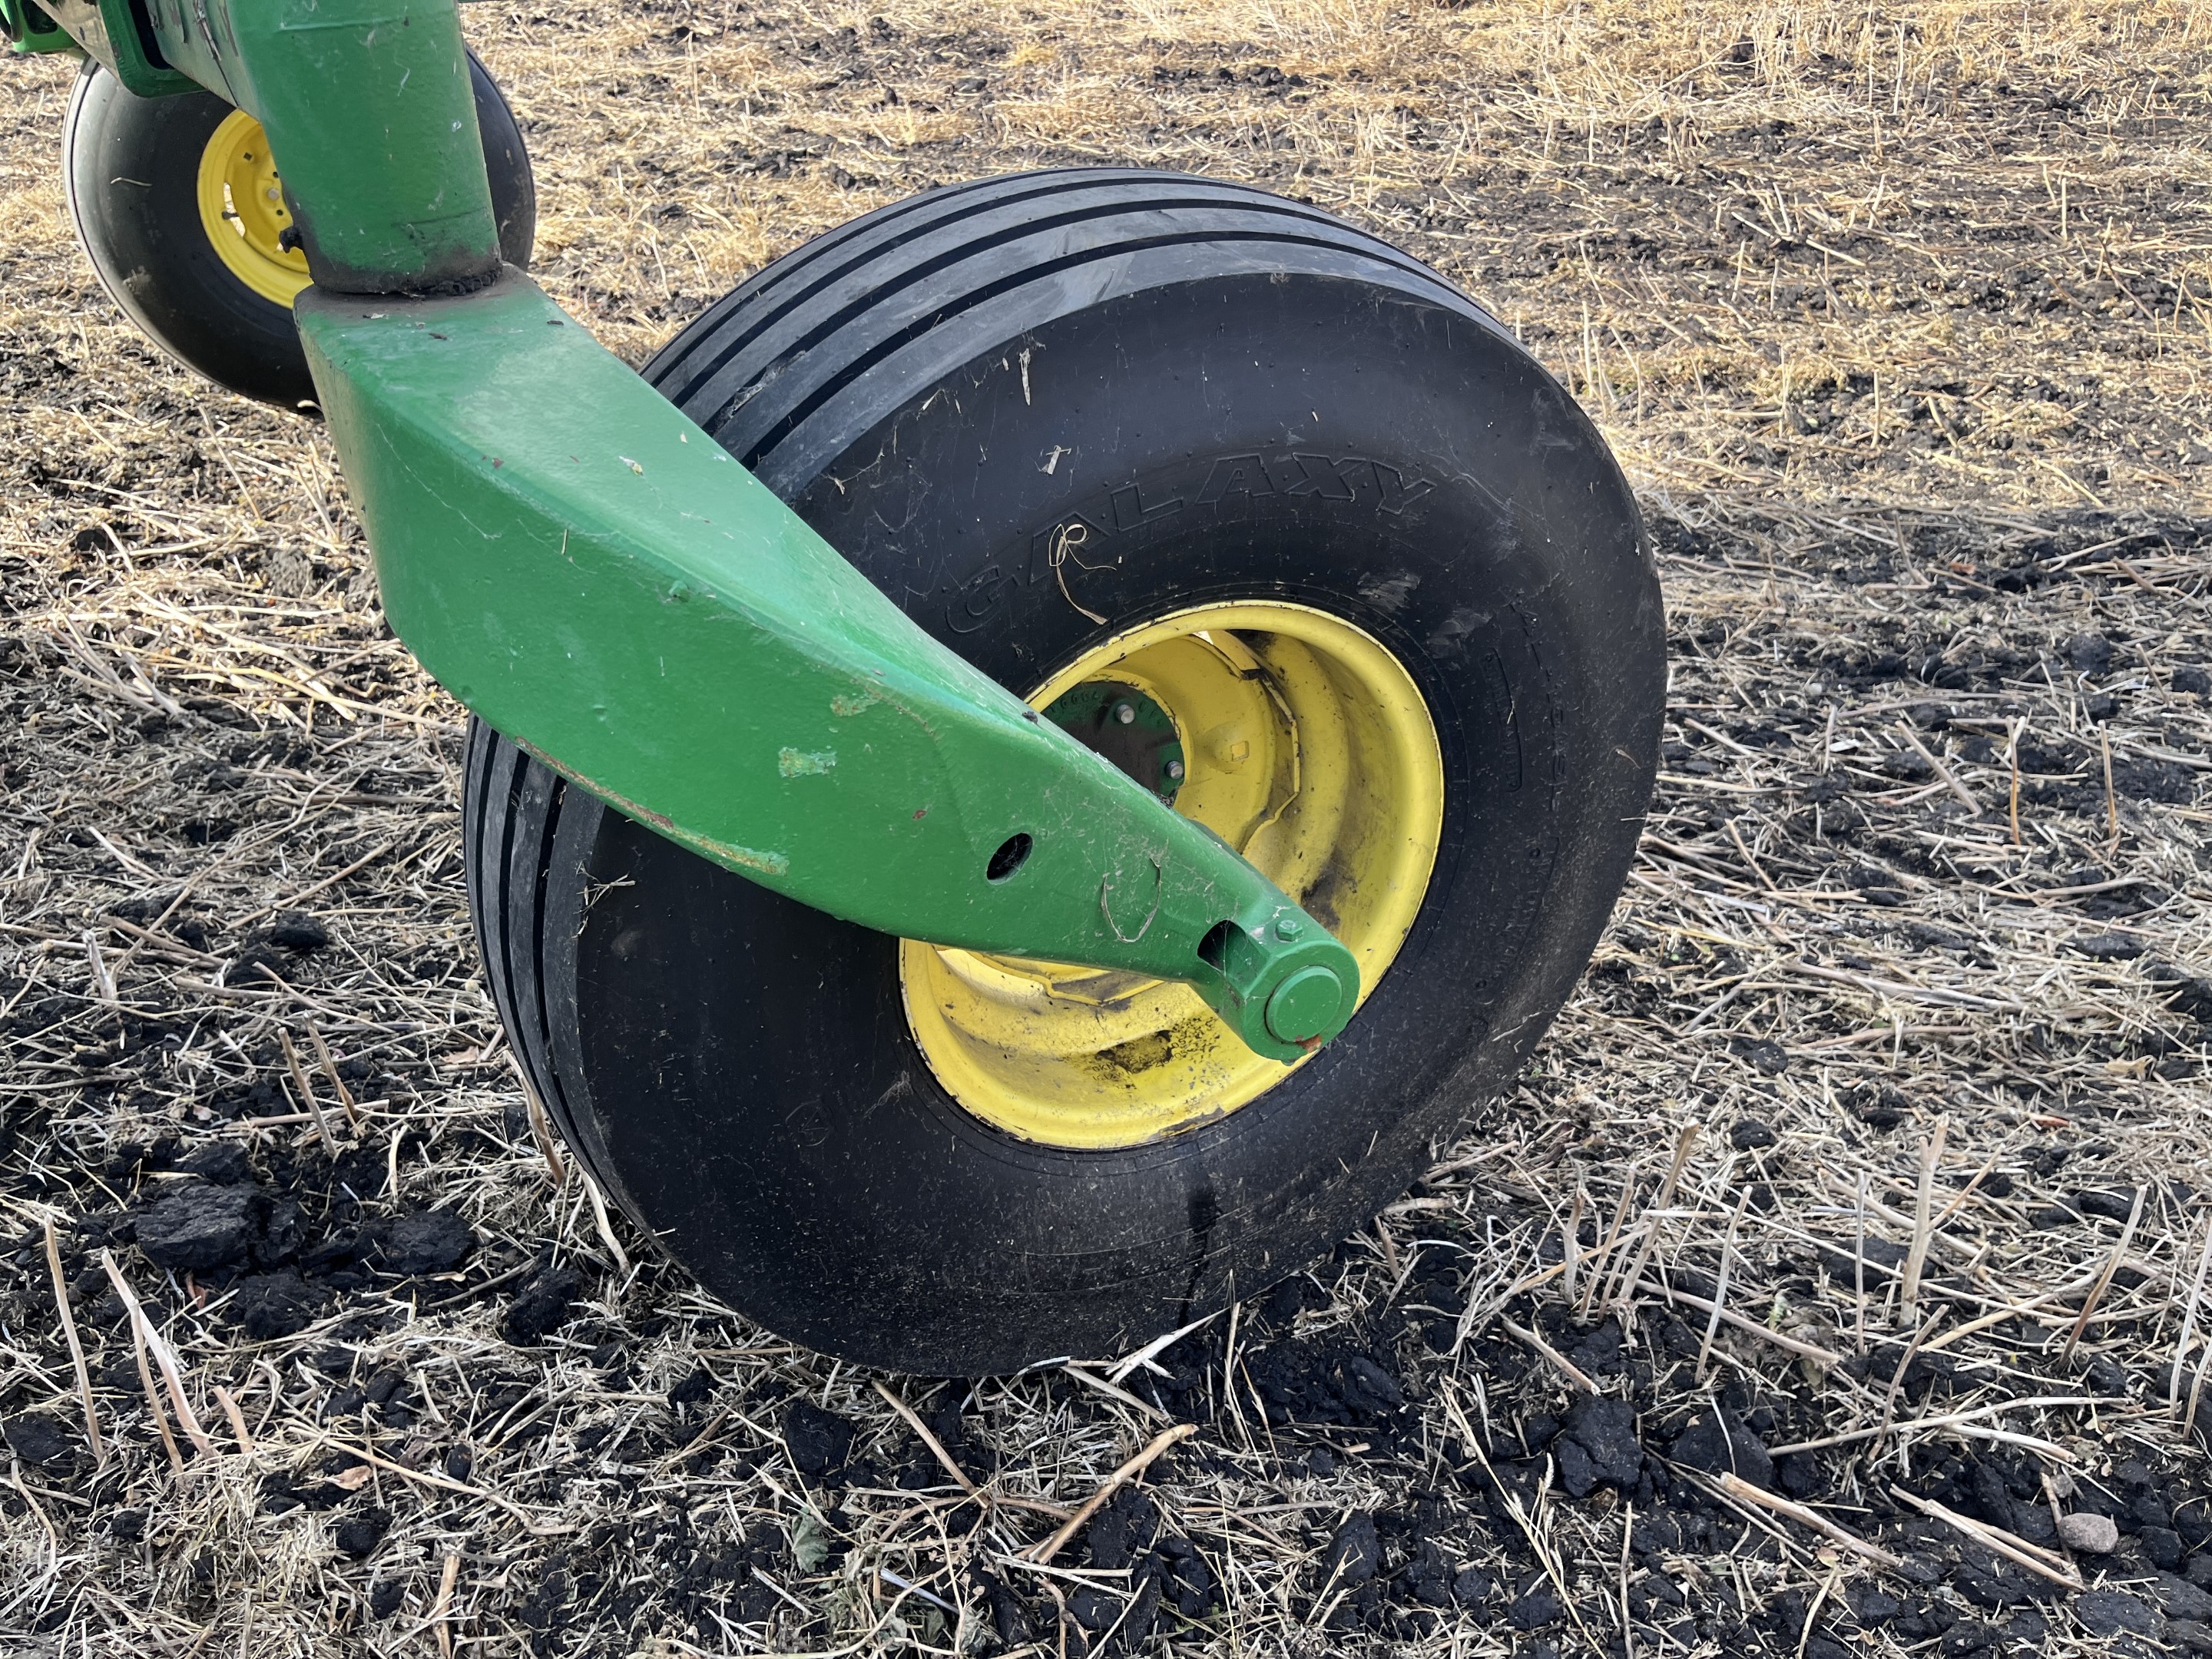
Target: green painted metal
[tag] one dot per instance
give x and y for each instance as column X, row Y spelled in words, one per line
column 118, row 34
column 196, row 43
column 30, row 29
column 595, row 576
column 382, row 162
column 590, row 572
column 368, row 112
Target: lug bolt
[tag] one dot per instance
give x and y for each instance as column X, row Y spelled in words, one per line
column 1124, row 713
column 1175, row 769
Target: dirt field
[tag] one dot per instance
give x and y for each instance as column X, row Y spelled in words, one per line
column 1832, row 1278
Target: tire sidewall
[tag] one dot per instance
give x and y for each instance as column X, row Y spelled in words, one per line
column 134, row 195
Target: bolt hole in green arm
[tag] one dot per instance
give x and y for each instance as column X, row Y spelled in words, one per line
column 592, row 575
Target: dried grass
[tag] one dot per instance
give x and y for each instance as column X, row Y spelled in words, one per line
column 1900, row 318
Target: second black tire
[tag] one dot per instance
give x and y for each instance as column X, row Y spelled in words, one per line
column 131, row 167
column 1238, row 398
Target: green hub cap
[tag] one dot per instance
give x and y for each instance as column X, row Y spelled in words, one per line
column 1305, row 1004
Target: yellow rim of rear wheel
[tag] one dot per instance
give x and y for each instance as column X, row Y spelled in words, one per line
column 1308, row 749
column 242, row 210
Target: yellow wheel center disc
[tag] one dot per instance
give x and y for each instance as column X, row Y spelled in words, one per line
column 1306, row 747
column 242, row 210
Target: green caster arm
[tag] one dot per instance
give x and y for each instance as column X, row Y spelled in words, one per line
column 29, row 29
column 593, row 576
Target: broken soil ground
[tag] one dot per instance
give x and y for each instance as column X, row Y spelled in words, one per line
column 1899, row 322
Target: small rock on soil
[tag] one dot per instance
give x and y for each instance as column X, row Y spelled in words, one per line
column 2089, row 1534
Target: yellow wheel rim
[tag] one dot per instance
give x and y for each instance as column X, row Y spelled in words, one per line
column 242, row 210
column 1308, row 749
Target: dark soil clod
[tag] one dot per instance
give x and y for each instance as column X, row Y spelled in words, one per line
column 542, row 1306
column 39, row 1441
column 295, row 930
column 818, row 1442
column 1718, row 1442
column 1123, row 1529
column 1599, row 1446
column 281, row 1303
column 1354, row 1554
column 1537, row 1605
column 358, row 1534
column 197, row 1227
column 220, row 1162
column 2111, row 1612
column 427, row 1242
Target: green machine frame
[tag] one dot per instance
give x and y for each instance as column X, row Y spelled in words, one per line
column 589, row 573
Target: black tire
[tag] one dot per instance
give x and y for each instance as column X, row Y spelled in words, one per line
column 737, row 1068
column 131, row 169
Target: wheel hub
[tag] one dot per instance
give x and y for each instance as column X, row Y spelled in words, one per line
column 1299, row 740
column 242, row 210
column 1120, row 722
